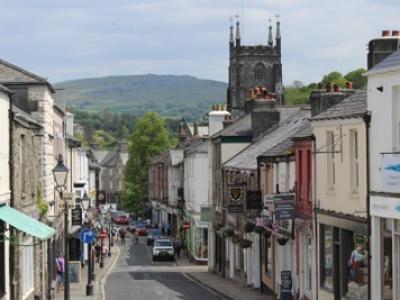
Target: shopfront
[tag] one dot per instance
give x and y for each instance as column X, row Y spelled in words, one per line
column 385, row 264
column 199, row 240
column 343, row 257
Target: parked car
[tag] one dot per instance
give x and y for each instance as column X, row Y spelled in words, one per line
column 141, row 229
column 163, row 248
column 120, row 218
column 133, row 224
column 153, row 235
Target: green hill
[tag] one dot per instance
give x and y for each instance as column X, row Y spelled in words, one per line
column 169, row 95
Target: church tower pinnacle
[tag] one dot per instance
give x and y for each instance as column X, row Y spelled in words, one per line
column 270, row 41
column 237, row 31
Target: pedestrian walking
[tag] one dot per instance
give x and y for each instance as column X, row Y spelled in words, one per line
column 122, row 235
column 97, row 249
column 60, row 269
column 136, row 237
column 178, row 247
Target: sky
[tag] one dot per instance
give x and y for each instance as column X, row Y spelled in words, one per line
column 71, row 39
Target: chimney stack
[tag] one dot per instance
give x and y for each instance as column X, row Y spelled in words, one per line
column 383, row 46
column 216, row 118
column 321, row 100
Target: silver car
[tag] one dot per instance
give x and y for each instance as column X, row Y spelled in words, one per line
column 163, row 248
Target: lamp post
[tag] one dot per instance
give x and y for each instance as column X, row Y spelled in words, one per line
column 89, row 286
column 60, row 173
column 109, row 232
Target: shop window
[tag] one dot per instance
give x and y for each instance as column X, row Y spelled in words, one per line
column 201, row 243
column 27, row 278
column 268, row 255
column 326, row 256
column 387, row 260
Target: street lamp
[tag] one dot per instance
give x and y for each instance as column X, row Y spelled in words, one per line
column 60, row 173
column 89, row 286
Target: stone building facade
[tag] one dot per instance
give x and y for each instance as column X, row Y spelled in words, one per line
column 251, row 66
column 26, row 149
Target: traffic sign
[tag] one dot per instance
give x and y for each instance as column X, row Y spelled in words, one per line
column 102, row 235
column 86, row 235
column 186, row 226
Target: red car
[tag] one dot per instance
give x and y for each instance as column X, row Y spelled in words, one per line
column 141, row 229
column 121, row 220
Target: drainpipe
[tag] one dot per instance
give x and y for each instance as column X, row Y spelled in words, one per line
column 314, row 211
column 367, row 121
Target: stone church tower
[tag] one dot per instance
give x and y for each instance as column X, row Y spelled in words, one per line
column 251, row 66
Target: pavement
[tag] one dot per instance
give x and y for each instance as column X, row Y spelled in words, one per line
column 78, row 290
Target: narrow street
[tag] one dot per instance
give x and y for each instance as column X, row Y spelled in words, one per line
column 136, row 276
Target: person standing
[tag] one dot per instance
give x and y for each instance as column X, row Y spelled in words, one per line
column 178, row 247
column 60, row 269
column 122, row 234
column 97, row 248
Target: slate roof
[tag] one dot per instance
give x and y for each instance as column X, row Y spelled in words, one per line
column 19, row 114
column 390, row 63
column 110, row 160
column 247, row 158
column 11, row 74
column 351, row 107
column 99, row 154
column 5, row 90
column 304, row 133
column 241, row 127
column 285, row 147
column 199, row 146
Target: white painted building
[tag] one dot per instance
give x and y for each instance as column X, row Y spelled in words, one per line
column 196, row 196
column 384, row 104
column 5, row 192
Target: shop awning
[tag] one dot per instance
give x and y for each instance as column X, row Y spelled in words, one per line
column 25, row 223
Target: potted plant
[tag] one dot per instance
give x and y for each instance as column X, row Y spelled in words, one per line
column 245, row 243
column 259, row 229
column 249, row 227
column 235, row 239
column 229, row 232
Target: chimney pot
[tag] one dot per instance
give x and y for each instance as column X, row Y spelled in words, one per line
column 395, row 33
column 329, row 87
column 385, row 33
column 349, row 85
column 336, row 88
column 320, row 86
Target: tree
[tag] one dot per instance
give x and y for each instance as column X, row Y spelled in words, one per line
column 334, row 77
column 149, row 138
column 357, row 78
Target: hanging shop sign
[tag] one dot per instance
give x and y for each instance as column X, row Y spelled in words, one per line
column 235, row 208
column 236, row 193
column 76, row 215
column 284, row 207
column 286, row 285
column 253, row 200
column 101, row 197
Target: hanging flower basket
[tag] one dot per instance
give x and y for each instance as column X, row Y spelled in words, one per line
column 267, row 233
column 229, row 232
column 282, row 241
column 249, row 227
column 235, row 239
column 245, row 243
column 259, row 230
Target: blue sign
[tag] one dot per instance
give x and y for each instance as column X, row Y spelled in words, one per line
column 86, row 235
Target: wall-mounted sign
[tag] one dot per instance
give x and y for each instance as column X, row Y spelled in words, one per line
column 76, row 215
column 236, row 193
column 235, row 208
column 390, row 170
column 284, row 207
column 286, row 285
column 253, row 200
column 385, row 207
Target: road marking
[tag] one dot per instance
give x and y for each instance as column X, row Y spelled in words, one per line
column 104, row 279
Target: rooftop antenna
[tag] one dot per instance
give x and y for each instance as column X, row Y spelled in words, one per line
column 242, row 17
